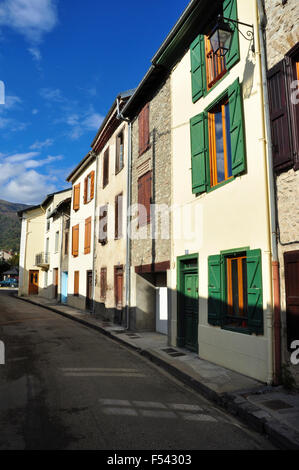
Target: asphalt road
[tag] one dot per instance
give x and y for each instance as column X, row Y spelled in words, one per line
column 65, row 386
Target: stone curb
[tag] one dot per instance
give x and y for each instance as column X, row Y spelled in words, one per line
column 254, row 417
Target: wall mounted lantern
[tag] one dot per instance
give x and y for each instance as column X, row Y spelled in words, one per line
column 222, row 35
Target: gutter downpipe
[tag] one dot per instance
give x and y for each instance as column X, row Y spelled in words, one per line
column 272, row 200
column 121, row 117
column 94, row 236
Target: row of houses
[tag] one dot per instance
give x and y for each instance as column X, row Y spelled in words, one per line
column 183, row 216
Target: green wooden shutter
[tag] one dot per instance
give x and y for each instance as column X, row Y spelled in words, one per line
column 230, row 11
column 198, row 70
column 215, row 289
column 237, row 131
column 199, row 152
column 255, row 291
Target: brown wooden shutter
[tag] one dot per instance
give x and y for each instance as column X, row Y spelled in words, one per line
column 116, row 218
column 144, row 196
column 76, row 197
column 103, row 237
column 103, row 283
column 91, row 185
column 143, row 129
column 291, row 263
column 106, row 168
column 87, row 238
column 75, row 240
column 118, row 215
column 76, row 282
column 85, row 190
column 280, row 117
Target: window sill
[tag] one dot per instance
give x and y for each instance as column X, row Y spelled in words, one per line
column 245, row 331
column 219, row 185
column 119, row 171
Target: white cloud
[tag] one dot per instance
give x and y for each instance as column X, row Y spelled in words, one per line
column 30, row 18
column 52, row 94
column 35, row 111
column 39, row 145
column 81, row 124
column 19, row 181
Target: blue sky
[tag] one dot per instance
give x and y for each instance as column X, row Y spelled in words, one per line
column 62, row 63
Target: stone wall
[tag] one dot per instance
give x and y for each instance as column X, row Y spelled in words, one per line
column 282, row 30
column 282, row 33
column 158, row 159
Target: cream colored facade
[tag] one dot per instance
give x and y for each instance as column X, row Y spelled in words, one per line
column 232, row 216
column 83, row 262
column 53, row 232
column 111, row 255
column 32, row 243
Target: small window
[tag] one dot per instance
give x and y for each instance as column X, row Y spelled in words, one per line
column 118, row 216
column 144, row 198
column 236, row 278
column 66, row 242
column 56, row 241
column 143, row 129
column 119, row 160
column 103, row 225
column 220, row 144
column 106, row 168
column 76, row 282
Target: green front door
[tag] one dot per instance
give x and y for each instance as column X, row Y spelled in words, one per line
column 190, row 310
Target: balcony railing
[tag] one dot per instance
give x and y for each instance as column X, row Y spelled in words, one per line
column 42, row 260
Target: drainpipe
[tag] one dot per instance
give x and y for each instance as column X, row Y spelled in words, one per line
column 272, row 199
column 121, row 117
column 94, row 236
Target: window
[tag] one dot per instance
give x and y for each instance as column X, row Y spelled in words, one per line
column 143, row 129
column 66, row 242
column 235, row 299
column 48, row 220
column 219, row 144
column 215, row 65
column 87, row 238
column 144, row 198
column 106, row 168
column 218, row 141
column 76, row 282
column 206, row 68
column 76, row 197
column 103, row 283
column 56, row 241
column 47, row 256
column 75, row 240
column 118, row 216
column 284, row 111
column 89, row 187
column 103, row 225
column 119, row 158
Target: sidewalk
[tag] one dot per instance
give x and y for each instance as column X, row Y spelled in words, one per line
column 269, row 410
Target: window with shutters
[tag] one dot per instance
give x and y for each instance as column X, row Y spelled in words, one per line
column 284, row 111
column 89, row 187
column 103, row 225
column 235, row 299
column 106, row 168
column 206, row 67
column 75, row 240
column 143, row 129
column 76, row 197
column 119, row 158
column 87, row 239
column 218, row 141
column 118, row 216
column 144, row 198
column 103, row 283
column 76, row 282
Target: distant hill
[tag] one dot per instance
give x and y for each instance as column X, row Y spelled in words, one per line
column 10, row 226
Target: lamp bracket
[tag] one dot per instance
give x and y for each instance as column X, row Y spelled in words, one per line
column 249, row 34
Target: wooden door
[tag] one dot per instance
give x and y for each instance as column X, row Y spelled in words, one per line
column 33, row 282
column 55, row 282
column 89, row 290
column 190, row 310
column 291, row 264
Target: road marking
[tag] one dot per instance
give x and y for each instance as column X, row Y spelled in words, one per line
column 108, row 401
column 184, row 407
column 157, row 414
column 103, row 374
column 97, row 369
column 148, row 404
column 198, row 417
column 120, row 411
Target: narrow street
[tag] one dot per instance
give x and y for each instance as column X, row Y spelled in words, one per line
column 65, row 386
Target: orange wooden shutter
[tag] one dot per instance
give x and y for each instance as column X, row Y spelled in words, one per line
column 87, row 239
column 75, row 240
column 76, row 283
column 91, row 185
column 76, row 197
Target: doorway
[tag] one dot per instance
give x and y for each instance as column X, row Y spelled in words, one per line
column 118, row 290
column 55, row 282
column 291, row 266
column 64, row 280
column 33, row 282
column 89, row 291
column 188, row 302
